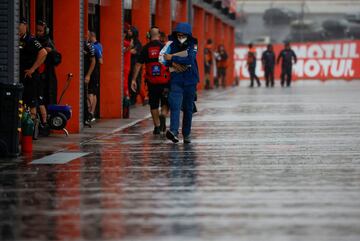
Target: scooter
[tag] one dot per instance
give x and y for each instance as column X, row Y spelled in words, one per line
column 59, row 115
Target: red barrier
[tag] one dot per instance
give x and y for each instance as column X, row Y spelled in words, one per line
column 316, row 60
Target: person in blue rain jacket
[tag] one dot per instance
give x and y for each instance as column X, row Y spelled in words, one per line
column 184, row 78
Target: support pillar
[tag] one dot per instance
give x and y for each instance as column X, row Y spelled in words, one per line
column 163, row 15
column 199, row 33
column 111, row 72
column 181, row 11
column 141, row 18
column 69, row 12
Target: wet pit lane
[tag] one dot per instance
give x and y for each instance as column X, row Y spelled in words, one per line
column 265, row 164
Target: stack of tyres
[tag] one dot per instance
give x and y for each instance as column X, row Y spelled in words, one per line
column 10, row 114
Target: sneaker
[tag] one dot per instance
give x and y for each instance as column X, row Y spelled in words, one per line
column 172, row 137
column 162, row 124
column 91, row 117
column 156, row 130
column 187, row 140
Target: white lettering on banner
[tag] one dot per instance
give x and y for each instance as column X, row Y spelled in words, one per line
column 325, row 63
column 298, row 68
column 312, row 68
column 328, row 48
column 315, row 51
column 353, row 51
column 316, row 60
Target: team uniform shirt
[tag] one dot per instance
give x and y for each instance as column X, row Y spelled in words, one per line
column 287, row 56
column 268, row 58
column 156, row 73
column 251, row 58
column 98, row 50
column 89, row 53
column 222, row 60
column 29, row 49
column 45, row 42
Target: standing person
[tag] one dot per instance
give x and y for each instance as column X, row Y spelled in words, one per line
column 48, row 83
column 133, row 36
column 91, row 83
column 98, row 49
column 221, row 62
column 288, row 56
column 251, row 63
column 127, row 66
column 32, row 56
column 157, row 77
column 183, row 81
column 268, row 60
column 208, row 60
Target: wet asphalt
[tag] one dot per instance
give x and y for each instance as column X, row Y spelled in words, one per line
column 265, row 164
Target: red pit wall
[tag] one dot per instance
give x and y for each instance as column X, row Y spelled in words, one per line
column 316, row 60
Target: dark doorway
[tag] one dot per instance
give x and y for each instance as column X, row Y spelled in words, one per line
column 94, row 26
column 44, row 12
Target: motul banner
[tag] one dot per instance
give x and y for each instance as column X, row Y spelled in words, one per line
column 316, row 60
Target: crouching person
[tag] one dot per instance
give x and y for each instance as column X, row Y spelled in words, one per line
column 184, row 78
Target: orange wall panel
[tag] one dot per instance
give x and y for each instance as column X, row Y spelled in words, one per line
column 181, row 11
column 141, row 18
column 111, row 70
column 199, row 33
column 69, row 47
column 163, row 15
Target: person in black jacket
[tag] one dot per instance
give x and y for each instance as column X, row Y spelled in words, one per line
column 48, row 83
column 288, row 56
column 32, row 56
column 133, row 35
column 268, row 60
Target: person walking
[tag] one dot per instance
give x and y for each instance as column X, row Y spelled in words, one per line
column 183, row 81
column 251, row 63
column 157, row 78
column 268, row 59
column 288, row 57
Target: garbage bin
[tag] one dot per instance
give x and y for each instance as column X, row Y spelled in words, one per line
column 10, row 114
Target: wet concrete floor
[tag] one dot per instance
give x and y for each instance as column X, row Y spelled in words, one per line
column 265, row 164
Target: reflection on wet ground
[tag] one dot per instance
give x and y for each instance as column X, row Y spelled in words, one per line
column 265, row 164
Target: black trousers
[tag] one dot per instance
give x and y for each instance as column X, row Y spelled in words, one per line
column 269, row 76
column 253, row 76
column 286, row 75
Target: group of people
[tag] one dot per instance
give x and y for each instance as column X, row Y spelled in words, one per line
column 172, row 82
column 287, row 57
column 38, row 58
column 217, row 58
